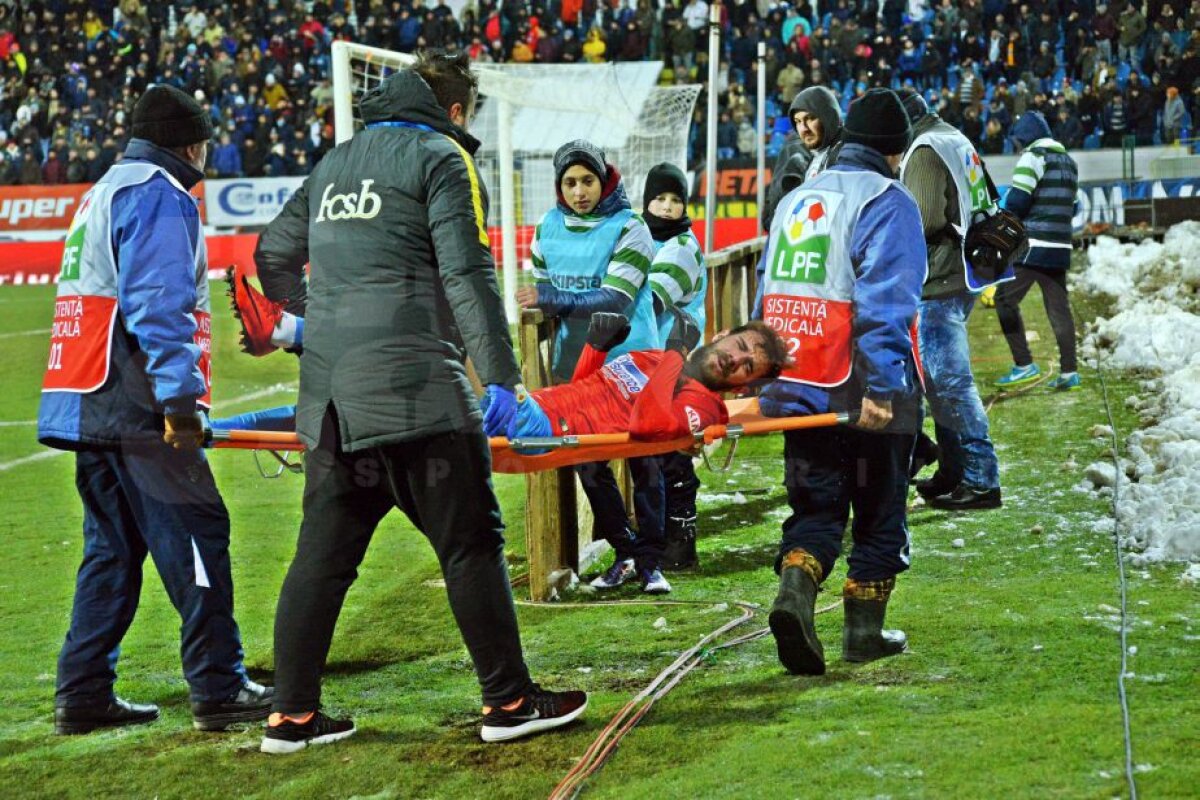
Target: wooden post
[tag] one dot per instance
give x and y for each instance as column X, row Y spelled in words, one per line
column 550, row 509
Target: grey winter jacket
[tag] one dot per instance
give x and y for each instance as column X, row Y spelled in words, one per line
column 393, row 222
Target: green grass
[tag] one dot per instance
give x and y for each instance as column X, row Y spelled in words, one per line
column 1010, row 688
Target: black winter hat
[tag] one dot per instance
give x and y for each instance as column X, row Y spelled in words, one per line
column 878, row 120
column 170, row 118
column 664, row 177
column 914, row 104
column 581, row 152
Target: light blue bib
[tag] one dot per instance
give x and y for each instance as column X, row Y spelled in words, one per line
column 578, row 262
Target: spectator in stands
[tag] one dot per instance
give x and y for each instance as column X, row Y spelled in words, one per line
column 1132, row 27
column 1104, row 29
column 1116, row 121
column 993, row 138
column 595, row 47
column 970, row 88
column 789, row 82
column 1067, row 128
column 1142, row 114
column 972, row 126
column 227, row 160
column 54, row 170
column 727, row 137
column 1044, row 65
column 1174, row 116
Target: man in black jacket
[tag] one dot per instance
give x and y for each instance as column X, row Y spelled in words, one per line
column 394, row 224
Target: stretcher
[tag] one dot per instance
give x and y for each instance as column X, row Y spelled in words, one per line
column 564, row 451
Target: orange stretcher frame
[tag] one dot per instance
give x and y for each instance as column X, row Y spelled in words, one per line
column 566, row 451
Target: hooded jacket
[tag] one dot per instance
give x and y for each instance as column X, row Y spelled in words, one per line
column 1045, row 181
column 393, row 222
column 795, row 160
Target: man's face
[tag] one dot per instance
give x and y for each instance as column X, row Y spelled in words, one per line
column 809, row 128
column 732, row 361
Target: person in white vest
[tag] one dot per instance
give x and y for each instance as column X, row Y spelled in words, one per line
column 946, row 176
column 845, row 265
column 126, row 381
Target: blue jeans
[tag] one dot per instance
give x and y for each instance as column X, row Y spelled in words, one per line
column 961, row 424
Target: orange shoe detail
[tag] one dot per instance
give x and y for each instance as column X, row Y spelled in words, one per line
column 278, row 719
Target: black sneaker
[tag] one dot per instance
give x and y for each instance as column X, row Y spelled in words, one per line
column 537, row 711
column 967, row 498
column 251, row 703
column 292, row 733
column 85, row 719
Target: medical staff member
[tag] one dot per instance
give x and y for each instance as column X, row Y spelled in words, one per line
column 127, row 378
column 845, row 265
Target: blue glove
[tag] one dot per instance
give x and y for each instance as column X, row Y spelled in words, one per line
column 499, row 404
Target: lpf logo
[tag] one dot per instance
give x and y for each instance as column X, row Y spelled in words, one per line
column 980, row 199
column 803, row 250
column 363, row 204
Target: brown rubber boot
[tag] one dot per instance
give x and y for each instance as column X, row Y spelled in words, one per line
column 863, row 636
column 791, row 618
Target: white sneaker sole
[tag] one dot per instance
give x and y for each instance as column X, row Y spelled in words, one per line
column 496, row 734
column 282, row 747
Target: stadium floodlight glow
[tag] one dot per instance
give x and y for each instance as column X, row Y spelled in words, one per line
column 525, row 112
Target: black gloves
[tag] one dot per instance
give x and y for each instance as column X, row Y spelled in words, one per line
column 685, row 333
column 607, row 330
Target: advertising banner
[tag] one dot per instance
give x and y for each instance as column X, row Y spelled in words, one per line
column 247, row 201
column 39, row 208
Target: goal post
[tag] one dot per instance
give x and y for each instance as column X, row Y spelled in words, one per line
column 525, row 112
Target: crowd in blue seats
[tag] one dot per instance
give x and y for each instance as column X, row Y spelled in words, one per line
column 70, row 70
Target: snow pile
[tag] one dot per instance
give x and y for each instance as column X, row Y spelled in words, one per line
column 1156, row 331
column 1133, row 273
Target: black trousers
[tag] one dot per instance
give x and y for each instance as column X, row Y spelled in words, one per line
column 443, row 484
column 645, row 545
column 1053, row 283
column 828, row 472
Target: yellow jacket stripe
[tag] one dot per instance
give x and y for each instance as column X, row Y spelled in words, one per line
column 476, row 194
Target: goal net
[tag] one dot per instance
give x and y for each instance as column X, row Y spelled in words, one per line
column 525, row 112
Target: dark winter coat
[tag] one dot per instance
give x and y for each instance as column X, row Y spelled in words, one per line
column 394, row 224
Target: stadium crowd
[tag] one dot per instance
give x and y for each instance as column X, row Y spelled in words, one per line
column 71, row 70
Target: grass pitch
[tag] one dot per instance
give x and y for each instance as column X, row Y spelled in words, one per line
column 1009, row 690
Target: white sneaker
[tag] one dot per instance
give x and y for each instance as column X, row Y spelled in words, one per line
column 617, row 574
column 653, row 582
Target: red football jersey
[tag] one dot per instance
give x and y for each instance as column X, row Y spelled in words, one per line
column 638, row 392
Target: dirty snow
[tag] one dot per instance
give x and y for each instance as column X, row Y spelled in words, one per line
column 1156, row 333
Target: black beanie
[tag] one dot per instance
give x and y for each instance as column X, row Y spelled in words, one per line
column 581, row 152
column 914, row 104
column 170, row 118
column 878, row 120
column 664, row 177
